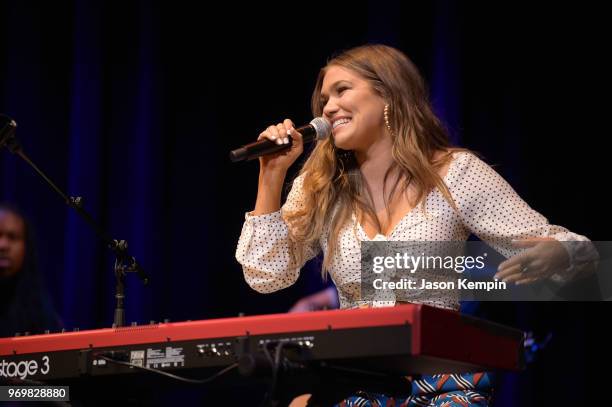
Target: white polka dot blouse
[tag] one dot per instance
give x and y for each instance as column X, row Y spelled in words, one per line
column 487, row 206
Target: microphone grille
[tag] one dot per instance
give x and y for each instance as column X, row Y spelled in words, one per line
column 322, row 127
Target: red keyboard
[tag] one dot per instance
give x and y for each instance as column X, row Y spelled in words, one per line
column 405, row 339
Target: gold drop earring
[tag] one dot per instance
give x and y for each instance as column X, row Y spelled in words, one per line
column 387, row 122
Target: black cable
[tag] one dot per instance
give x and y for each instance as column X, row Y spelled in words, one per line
column 268, row 356
column 173, row 376
column 275, row 368
column 269, row 398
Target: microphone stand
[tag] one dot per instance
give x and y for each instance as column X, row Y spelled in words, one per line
column 124, row 263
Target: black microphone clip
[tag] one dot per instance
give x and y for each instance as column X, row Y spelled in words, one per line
column 7, row 134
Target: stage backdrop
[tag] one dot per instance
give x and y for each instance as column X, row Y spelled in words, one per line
column 135, row 105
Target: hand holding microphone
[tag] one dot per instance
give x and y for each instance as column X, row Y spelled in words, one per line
column 287, row 145
column 279, row 146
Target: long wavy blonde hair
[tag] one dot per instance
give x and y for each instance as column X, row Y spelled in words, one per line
column 333, row 186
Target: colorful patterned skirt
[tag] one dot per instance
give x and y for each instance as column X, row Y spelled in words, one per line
column 443, row 390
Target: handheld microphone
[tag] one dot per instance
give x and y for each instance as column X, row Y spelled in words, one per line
column 318, row 129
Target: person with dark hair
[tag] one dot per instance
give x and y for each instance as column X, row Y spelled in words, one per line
column 25, row 306
column 389, row 173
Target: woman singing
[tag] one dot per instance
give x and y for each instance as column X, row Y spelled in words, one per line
column 389, row 173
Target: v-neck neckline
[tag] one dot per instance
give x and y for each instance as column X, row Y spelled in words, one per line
column 380, row 236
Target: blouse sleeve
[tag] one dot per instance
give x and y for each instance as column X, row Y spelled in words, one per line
column 264, row 250
column 492, row 210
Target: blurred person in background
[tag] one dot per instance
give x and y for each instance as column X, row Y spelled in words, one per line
column 25, row 305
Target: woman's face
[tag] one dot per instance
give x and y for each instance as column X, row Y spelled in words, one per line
column 353, row 108
column 12, row 243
